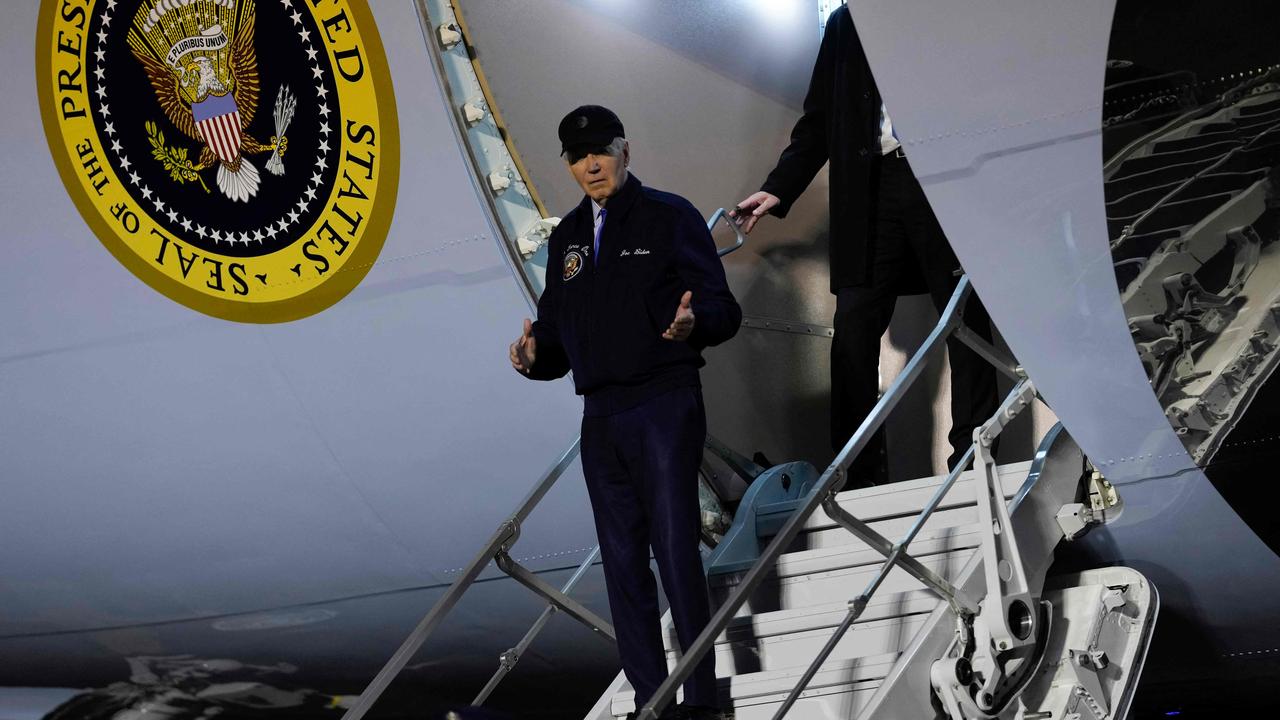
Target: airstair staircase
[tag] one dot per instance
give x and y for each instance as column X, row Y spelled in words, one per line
column 786, row 621
column 1104, row 614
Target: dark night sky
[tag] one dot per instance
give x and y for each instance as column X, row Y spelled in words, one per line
column 1209, row 38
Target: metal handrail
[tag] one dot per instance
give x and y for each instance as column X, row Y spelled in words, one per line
column 722, row 214
column 896, row 555
column 503, row 538
column 831, row 481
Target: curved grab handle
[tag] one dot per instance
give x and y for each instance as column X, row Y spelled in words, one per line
column 723, row 214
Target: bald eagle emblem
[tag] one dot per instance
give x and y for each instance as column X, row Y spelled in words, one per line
column 200, row 60
column 572, row 264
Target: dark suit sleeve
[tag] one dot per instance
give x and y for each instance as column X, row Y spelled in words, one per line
column 715, row 311
column 551, row 361
column 808, row 150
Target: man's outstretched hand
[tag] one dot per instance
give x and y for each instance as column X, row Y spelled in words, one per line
column 683, row 324
column 750, row 210
column 525, row 349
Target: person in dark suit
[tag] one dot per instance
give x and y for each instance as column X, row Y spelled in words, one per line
column 885, row 242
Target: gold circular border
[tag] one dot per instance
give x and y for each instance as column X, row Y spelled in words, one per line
column 315, row 301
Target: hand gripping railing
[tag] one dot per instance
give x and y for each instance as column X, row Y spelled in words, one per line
column 831, row 482
column 496, row 550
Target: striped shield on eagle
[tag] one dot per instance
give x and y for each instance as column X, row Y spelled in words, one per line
column 218, row 120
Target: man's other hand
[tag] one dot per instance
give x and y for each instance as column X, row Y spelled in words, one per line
column 683, row 324
column 525, row 349
column 750, row 210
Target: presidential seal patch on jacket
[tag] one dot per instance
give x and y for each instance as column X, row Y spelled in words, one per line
column 572, row 264
column 240, row 157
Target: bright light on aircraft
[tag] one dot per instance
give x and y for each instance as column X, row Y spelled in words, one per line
column 779, row 12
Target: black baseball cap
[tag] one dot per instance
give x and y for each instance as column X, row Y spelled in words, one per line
column 589, row 126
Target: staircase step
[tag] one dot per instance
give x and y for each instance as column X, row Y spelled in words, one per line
column 767, row 625
column 798, row 648
column 892, row 509
column 828, row 535
column 841, row 584
column 962, row 533
column 908, row 498
column 836, row 691
column 783, row 622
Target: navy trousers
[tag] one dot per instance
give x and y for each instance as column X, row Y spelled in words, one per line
column 908, row 241
column 641, row 467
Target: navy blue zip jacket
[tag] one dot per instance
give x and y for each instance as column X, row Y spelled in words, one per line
column 603, row 318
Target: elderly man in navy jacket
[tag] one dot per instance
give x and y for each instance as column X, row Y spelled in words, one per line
column 634, row 292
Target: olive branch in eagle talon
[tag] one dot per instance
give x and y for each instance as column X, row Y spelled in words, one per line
column 174, row 159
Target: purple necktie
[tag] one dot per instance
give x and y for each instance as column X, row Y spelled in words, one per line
column 599, row 229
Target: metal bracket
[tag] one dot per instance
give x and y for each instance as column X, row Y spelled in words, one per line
column 1086, row 664
column 1102, row 506
column 571, row 607
column 509, row 533
column 953, row 678
column 1074, row 519
column 1008, row 610
column 1104, row 499
column 536, row 236
column 979, row 679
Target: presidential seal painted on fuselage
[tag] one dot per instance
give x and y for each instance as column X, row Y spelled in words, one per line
column 239, row 156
